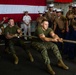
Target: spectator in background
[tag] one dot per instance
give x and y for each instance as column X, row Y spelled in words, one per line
column 3, row 20
column 72, row 36
column 60, row 26
column 69, row 16
column 40, row 18
column 49, row 15
column 2, row 28
column 27, row 24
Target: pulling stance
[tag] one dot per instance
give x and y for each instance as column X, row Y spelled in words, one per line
column 45, row 40
column 11, row 33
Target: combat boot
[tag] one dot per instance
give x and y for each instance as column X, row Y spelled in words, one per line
column 50, row 70
column 15, row 58
column 61, row 64
column 30, row 57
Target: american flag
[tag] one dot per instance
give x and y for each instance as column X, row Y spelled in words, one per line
column 15, row 8
column 63, row 1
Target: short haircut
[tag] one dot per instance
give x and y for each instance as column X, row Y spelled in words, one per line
column 10, row 19
column 44, row 20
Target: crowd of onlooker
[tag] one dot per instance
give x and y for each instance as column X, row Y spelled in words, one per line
column 63, row 25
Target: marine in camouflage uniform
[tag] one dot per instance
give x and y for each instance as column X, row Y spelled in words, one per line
column 44, row 42
column 60, row 27
column 11, row 33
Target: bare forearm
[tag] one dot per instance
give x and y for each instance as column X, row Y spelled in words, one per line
column 9, row 36
column 46, row 39
column 55, row 36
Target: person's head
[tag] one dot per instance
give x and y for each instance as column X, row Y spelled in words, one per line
column 74, row 7
column 26, row 13
column 45, row 24
column 40, row 13
column 50, row 6
column 54, row 10
column 11, row 22
column 59, row 12
column 70, row 7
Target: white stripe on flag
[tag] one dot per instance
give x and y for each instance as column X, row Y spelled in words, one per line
column 13, row 9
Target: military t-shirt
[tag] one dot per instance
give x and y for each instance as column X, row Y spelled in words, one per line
column 39, row 31
column 11, row 30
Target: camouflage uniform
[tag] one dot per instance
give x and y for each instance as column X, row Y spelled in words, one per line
column 14, row 41
column 44, row 46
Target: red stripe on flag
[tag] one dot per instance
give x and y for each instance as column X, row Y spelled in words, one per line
column 24, row 2
column 63, row 1
column 18, row 17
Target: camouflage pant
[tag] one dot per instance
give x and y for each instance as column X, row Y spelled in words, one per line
column 43, row 47
column 16, row 42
